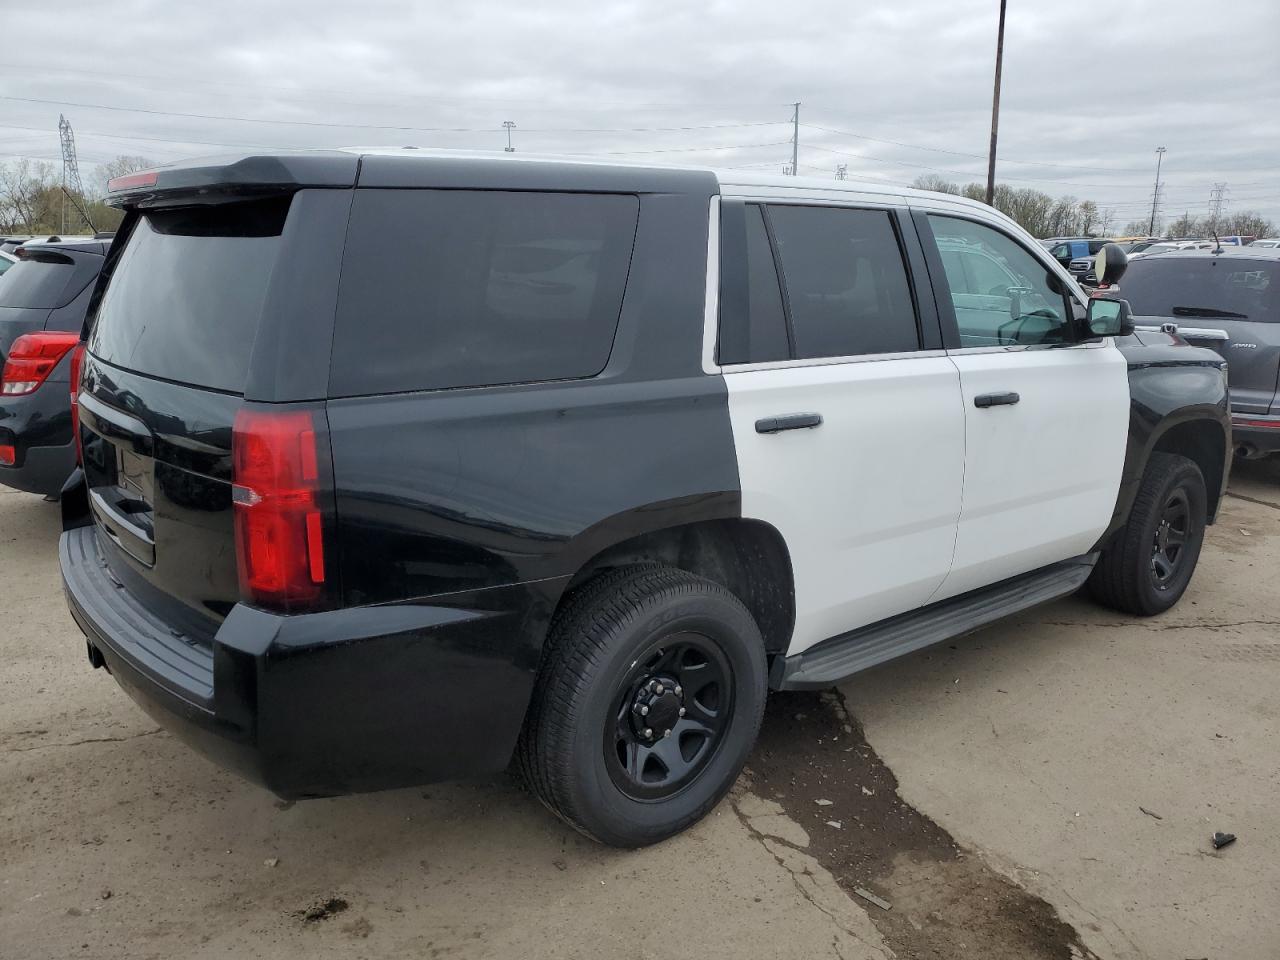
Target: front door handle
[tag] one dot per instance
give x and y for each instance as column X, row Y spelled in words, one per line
column 792, row 421
column 996, row 399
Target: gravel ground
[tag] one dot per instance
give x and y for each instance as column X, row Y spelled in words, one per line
column 1044, row 788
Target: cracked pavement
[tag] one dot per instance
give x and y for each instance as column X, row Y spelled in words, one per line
column 1042, row 746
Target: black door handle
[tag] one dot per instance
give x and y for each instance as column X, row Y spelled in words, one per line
column 996, row 399
column 793, row 421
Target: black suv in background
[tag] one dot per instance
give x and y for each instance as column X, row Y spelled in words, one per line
column 398, row 466
column 1237, row 290
column 43, row 298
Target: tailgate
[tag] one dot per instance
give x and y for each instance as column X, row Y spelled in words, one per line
column 164, row 375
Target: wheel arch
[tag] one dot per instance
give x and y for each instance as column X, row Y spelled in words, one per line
column 1204, row 442
column 747, row 557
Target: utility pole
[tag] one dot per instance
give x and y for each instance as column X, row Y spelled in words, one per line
column 842, row 171
column 795, row 139
column 995, row 112
column 1155, row 195
column 510, row 125
column 1217, row 200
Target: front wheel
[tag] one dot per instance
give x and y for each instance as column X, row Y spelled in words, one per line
column 647, row 704
column 1146, row 568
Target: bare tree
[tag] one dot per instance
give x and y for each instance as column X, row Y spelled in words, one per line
column 931, row 181
column 25, row 186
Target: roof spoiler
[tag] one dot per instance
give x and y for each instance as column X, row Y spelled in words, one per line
column 215, row 177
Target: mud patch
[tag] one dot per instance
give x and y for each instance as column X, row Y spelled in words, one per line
column 814, row 761
column 322, row 910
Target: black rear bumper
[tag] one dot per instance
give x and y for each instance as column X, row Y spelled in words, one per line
column 38, row 427
column 321, row 704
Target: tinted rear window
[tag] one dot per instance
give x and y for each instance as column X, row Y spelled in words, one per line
column 465, row 288
column 37, row 285
column 186, row 296
column 1180, row 286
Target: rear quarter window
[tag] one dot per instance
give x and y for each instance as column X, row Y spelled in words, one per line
column 463, row 288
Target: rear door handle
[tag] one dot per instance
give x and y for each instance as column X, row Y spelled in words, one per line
column 996, row 399
column 791, row 421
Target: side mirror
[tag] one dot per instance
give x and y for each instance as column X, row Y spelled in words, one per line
column 1110, row 263
column 1109, row 318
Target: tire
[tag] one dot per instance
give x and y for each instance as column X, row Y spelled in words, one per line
column 1131, row 576
column 633, row 639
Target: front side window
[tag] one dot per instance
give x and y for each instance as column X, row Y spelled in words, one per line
column 1002, row 293
column 846, row 284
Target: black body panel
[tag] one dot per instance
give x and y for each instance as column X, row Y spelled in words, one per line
column 1171, row 385
column 360, row 699
column 462, row 514
column 460, row 489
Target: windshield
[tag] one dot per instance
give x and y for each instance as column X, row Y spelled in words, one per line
column 1181, row 286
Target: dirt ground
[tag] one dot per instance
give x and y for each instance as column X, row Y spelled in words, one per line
column 1044, row 788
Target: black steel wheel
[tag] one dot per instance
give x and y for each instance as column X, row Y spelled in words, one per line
column 648, row 700
column 672, row 710
column 1146, row 566
column 1168, row 546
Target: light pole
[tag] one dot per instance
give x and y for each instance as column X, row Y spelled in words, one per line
column 1155, row 195
column 510, row 125
column 995, row 112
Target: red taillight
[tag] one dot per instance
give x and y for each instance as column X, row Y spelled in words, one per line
column 77, row 361
column 31, row 359
column 279, row 516
column 7, row 456
column 131, row 181
column 1255, row 424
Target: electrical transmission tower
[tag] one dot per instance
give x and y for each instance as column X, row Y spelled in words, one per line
column 1217, row 201
column 842, row 171
column 72, row 187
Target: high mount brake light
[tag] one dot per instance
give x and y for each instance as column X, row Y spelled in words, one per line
column 32, row 357
column 278, row 497
column 132, row 181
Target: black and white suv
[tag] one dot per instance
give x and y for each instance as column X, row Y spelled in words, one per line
column 398, row 465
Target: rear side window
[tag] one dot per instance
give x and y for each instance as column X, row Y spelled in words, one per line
column 1192, row 286
column 38, row 285
column 845, row 281
column 463, row 288
column 186, row 297
column 753, row 326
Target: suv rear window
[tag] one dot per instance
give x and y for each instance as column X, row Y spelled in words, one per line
column 37, row 285
column 1174, row 285
column 186, row 296
column 464, row 288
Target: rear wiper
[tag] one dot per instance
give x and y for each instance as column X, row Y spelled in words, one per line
column 1208, row 312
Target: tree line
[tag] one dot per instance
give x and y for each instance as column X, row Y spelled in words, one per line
column 1043, row 215
column 33, row 201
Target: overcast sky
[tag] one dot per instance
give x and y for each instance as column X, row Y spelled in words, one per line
column 1090, row 89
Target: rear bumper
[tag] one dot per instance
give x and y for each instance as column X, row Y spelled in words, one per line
column 350, row 700
column 1257, row 434
column 39, row 429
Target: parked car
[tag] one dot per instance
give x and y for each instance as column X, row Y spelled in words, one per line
column 1236, row 289
column 43, row 299
column 1266, row 244
column 413, row 464
column 1076, row 254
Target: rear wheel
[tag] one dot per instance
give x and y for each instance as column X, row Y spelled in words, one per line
column 1149, row 563
column 647, row 704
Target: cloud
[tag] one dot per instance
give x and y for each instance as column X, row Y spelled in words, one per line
column 1089, row 90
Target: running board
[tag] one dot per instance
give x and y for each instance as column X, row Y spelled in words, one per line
column 840, row 657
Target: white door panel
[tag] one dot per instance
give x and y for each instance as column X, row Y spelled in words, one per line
column 867, row 502
column 1042, row 475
